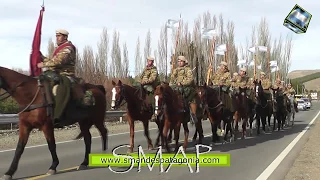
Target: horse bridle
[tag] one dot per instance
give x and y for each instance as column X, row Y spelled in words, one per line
column 122, row 97
column 14, row 89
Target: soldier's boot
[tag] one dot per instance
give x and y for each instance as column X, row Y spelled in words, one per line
column 83, row 98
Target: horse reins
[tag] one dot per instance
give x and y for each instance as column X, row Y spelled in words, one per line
column 10, row 92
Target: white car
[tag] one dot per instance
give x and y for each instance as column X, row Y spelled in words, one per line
column 308, row 103
column 301, row 105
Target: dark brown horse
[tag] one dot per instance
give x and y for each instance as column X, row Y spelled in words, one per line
column 263, row 107
column 170, row 114
column 242, row 111
column 209, row 98
column 32, row 96
column 128, row 93
column 279, row 107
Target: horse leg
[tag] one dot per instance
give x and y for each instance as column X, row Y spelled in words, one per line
column 48, row 132
column 160, row 128
column 24, row 133
column 131, row 125
column 199, row 130
column 177, row 134
column 166, row 128
column 258, row 117
column 146, row 133
column 87, row 138
column 170, row 136
column 194, row 138
column 244, row 127
column 104, row 134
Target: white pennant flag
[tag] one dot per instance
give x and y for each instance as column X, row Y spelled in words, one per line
column 171, row 23
column 222, row 47
column 274, row 69
column 220, row 53
column 259, row 67
column 209, row 33
column 241, row 62
column 273, row 63
column 252, row 49
column 262, row 48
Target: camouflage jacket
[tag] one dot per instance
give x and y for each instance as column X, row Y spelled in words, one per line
column 149, row 75
column 222, row 77
column 275, row 86
column 290, row 91
column 250, row 84
column 233, row 80
column 63, row 62
column 266, row 84
column 182, row 75
column 242, row 82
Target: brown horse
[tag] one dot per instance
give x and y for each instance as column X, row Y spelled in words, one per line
column 128, row 93
column 209, row 98
column 242, row 111
column 170, row 114
column 31, row 95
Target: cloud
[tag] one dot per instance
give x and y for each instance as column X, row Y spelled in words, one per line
column 132, row 18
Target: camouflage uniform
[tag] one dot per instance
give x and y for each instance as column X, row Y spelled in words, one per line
column 184, row 76
column 234, row 79
column 63, row 64
column 266, row 85
column 148, row 81
column 222, row 79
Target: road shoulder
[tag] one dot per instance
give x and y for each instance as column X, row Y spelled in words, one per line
column 307, row 164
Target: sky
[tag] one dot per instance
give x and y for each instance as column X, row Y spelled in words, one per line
column 132, row 18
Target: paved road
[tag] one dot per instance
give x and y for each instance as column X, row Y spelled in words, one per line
column 249, row 158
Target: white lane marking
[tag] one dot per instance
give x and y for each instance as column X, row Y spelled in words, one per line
column 63, row 142
column 269, row 170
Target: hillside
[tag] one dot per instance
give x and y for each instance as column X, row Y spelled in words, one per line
column 313, row 84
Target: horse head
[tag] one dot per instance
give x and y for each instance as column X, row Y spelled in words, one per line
column 208, row 96
column 164, row 96
column 258, row 88
column 118, row 95
column 242, row 95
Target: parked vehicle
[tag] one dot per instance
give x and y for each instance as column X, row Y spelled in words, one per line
column 302, row 105
column 307, row 101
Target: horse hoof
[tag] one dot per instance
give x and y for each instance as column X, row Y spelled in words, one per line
column 82, row 167
column 51, row 172
column 6, row 177
column 130, row 150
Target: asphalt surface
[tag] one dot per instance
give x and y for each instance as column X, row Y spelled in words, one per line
column 249, row 157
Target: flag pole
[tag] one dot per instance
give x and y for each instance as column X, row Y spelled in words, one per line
column 210, row 69
column 177, row 42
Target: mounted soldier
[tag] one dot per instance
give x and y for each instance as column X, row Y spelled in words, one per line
column 222, row 79
column 149, row 79
column 60, row 69
column 266, row 85
column 234, row 79
column 182, row 81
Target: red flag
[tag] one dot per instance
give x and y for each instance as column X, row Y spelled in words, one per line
column 35, row 56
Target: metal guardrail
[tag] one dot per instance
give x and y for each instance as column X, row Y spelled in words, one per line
column 13, row 118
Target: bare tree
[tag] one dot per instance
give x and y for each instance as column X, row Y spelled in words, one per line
column 125, row 62
column 147, row 46
column 116, row 56
column 138, row 59
column 102, row 55
column 50, row 48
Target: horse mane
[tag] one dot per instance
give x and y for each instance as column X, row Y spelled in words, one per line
column 17, row 75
